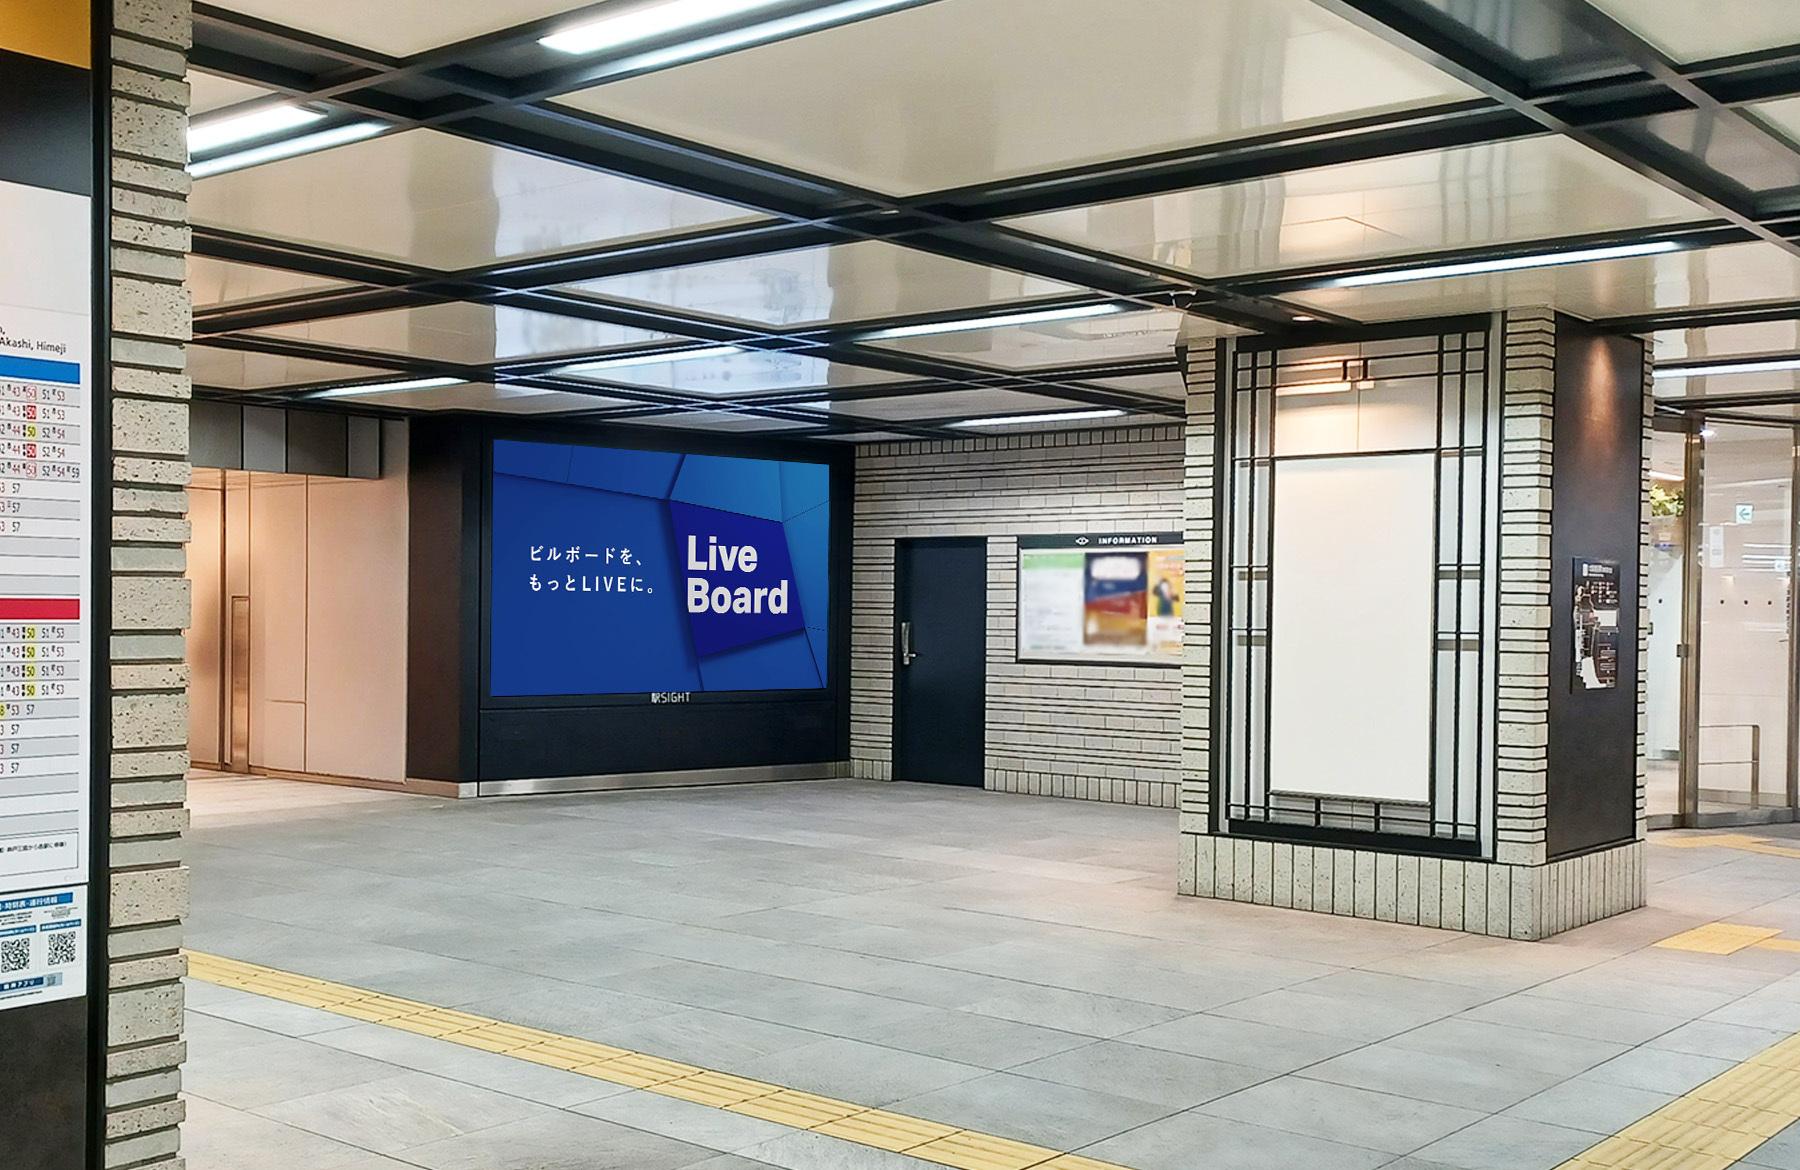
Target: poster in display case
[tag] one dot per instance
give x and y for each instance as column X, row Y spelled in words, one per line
column 1101, row 597
column 1596, row 604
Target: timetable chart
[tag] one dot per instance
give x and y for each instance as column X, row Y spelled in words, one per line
column 44, row 577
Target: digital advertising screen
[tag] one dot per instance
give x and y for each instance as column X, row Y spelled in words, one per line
column 617, row 572
column 1101, row 597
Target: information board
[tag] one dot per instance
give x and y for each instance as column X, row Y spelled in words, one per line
column 1596, row 610
column 1101, row 597
column 655, row 573
column 45, row 642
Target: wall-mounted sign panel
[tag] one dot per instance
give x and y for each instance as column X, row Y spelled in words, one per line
column 1101, row 597
column 1350, row 627
column 617, row 572
column 46, row 521
column 1596, row 609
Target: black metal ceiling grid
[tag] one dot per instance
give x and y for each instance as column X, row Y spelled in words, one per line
column 493, row 89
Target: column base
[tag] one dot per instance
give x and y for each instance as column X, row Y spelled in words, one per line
column 1477, row 897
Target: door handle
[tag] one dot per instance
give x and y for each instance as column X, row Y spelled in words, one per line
column 907, row 654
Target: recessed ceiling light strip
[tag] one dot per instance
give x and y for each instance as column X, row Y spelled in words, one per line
column 674, row 15
column 1773, row 365
column 387, row 387
column 1020, row 420
column 209, row 133
column 649, row 359
column 1508, row 264
column 286, row 148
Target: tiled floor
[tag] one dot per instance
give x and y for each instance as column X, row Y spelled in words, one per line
column 1007, row 964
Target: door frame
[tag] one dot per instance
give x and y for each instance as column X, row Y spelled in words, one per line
column 902, row 605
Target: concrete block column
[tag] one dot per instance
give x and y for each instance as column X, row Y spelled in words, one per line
column 1548, row 860
column 150, row 604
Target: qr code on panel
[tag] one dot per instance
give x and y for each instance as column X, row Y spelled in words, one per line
column 62, row 948
column 15, row 954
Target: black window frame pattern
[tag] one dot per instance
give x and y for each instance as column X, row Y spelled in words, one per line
column 1458, row 362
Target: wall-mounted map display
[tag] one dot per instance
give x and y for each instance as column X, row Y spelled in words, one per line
column 1101, row 597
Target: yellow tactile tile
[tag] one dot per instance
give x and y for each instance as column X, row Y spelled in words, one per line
column 886, row 1131
column 967, row 1150
column 1780, row 944
column 1719, row 938
column 637, row 1070
column 799, row 1110
column 1077, row 1162
column 716, row 1089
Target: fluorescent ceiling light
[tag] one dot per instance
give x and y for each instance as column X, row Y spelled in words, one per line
column 650, row 359
column 1668, row 476
column 647, row 21
column 1019, row 420
column 724, row 42
column 388, row 387
column 999, row 321
column 1300, row 389
column 286, row 148
column 1770, row 366
column 212, row 133
column 1541, row 260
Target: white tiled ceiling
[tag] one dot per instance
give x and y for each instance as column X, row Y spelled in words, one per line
column 468, row 334
column 1116, row 337
column 1698, row 30
column 961, row 92
column 744, row 373
column 440, row 201
column 217, row 283
column 815, row 286
column 400, row 28
column 230, row 369
column 483, row 397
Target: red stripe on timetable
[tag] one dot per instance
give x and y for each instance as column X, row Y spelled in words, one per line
column 39, row 609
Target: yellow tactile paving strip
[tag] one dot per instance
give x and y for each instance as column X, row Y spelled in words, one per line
column 1713, row 1126
column 915, row 1137
column 1740, row 841
column 1710, row 1128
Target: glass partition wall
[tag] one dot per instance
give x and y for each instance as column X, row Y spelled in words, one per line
column 1721, row 733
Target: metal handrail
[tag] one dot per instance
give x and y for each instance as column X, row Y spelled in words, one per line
column 1755, row 760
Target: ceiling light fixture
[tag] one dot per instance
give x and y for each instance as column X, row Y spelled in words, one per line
column 1766, row 367
column 387, row 387
column 286, row 148
column 672, row 16
column 1668, row 476
column 997, row 321
column 211, row 133
column 1019, row 420
column 650, row 359
column 646, row 21
column 1301, row 389
column 1509, row 264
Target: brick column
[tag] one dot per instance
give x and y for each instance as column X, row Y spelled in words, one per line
column 150, row 602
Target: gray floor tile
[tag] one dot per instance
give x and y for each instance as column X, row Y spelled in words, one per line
column 1733, row 1042
column 388, row 1116
column 1781, row 1152
column 218, row 1137
column 558, row 1141
column 1594, row 1106
column 1469, row 1082
column 1029, row 1110
column 971, row 1038
column 867, row 1074
column 1660, row 1070
column 1516, row 1047
column 487, row 1070
column 1330, row 1015
column 1145, row 1074
column 272, row 1015
column 1083, row 1012
column 1245, row 1042
column 700, row 1125
column 279, row 1069
column 1507, row 1143
column 1192, row 1139
column 1342, row 1113
column 814, row 1151
column 1619, row 1025
column 711, row 1038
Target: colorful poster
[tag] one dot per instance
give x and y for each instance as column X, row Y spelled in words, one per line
column 1101, row 597
column 1596, row 603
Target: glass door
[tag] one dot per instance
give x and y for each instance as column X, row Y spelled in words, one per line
column 1666, row 581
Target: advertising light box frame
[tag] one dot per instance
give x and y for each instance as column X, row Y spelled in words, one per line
column 1073, row 592
column 836, row 667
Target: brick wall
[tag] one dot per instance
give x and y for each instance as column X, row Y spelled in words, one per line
column 149, row 596
column 1108, row 733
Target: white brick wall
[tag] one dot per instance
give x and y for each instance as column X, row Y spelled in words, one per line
column 1108, row 733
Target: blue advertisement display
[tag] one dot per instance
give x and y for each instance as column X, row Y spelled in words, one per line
column 630, row 572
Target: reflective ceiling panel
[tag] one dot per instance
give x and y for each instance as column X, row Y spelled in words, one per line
column 1696, row 30
column 744, row 373
column 217, row 283
column 1716, row 276
column 961, row 92
column 483, row 397
column 1167, row 385
column 950, row 404
column 1783, row 383
column 400, row 28
column 713, row 420
column 1784, row 115
column 440, row 201
column 230, row 369
column 1531, row 188
column 208, row 92
column 831, row 285
column 1727, row 341
column 1115, row 337
column 464, row 333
